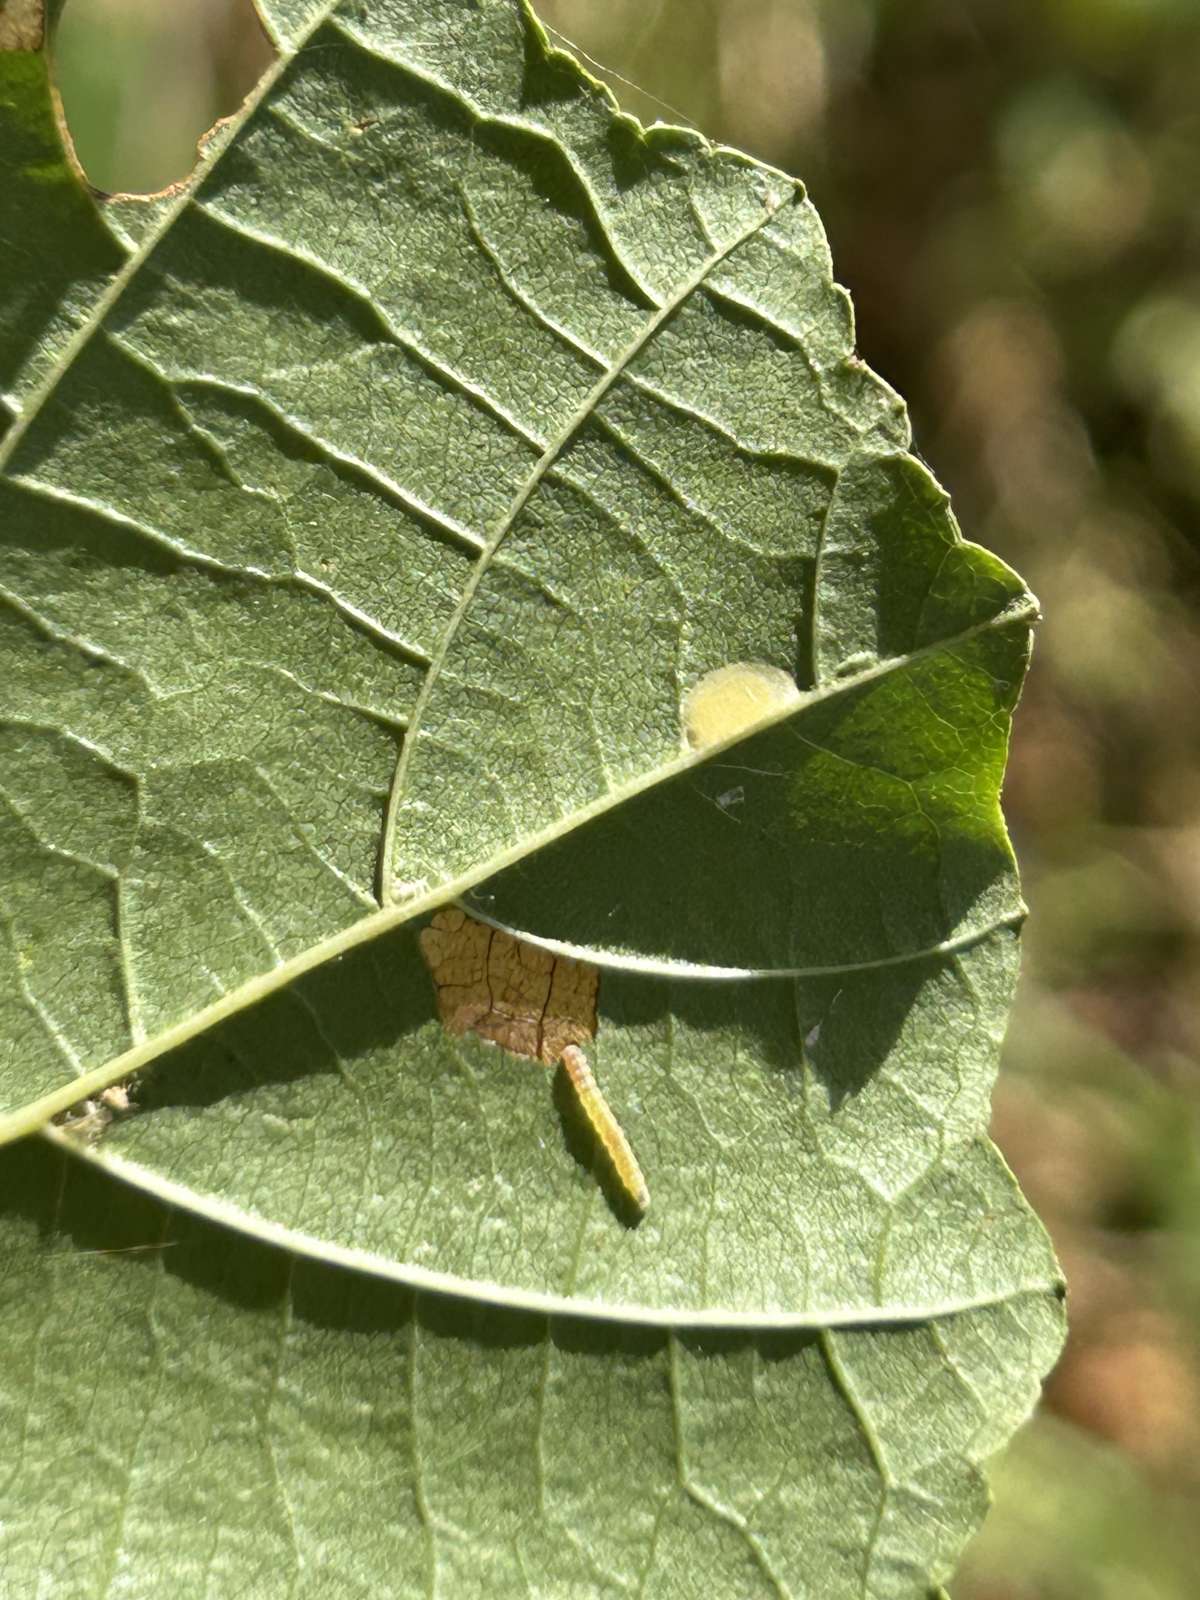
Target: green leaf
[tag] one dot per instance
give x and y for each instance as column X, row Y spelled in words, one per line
column 362, row 550
column 254, row 1424
column 58, row 250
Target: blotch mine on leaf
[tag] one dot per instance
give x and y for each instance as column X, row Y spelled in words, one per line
column 515, row 994
column 731, row 698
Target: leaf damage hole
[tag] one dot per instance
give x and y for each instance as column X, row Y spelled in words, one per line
column 141, row 83
column 533, row 1004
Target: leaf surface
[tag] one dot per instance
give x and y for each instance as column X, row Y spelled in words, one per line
column 260, row 1424
column 364, row 547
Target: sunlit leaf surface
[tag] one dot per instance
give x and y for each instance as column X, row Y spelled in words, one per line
column 371, row 543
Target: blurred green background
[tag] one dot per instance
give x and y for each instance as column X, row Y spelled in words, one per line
column 1012, row 192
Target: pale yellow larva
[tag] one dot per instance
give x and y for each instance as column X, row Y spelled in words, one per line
column 605, row 1126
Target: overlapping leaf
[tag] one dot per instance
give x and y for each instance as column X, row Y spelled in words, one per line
column 196, row 1410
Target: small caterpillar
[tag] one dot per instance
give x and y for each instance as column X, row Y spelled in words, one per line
column 605, row 1126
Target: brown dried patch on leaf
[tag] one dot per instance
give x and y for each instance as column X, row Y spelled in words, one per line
column 22, row 24
column 515, row 994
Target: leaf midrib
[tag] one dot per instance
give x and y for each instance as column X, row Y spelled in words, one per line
column 32, row 1116
column 540, row 1302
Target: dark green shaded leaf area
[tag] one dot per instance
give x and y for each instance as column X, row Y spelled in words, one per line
column 370, row 511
